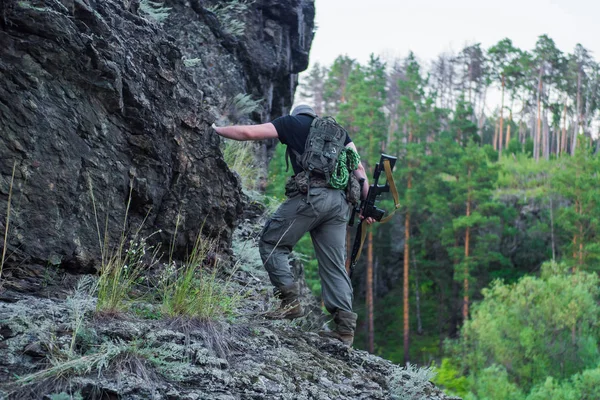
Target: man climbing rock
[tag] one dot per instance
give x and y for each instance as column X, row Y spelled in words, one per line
column 318, row 202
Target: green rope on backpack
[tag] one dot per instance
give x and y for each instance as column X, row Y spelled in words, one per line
column 348, row 161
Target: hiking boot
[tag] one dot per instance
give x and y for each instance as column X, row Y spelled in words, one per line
column 345, row 322
column 290, row 307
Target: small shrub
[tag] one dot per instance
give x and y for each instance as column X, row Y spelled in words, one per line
column 115, row 356
column 448, row 375
column 191, row 62
column 408, row 383
column 493, row 383
column 83, row 365
column 155, row 10
column 79, row 303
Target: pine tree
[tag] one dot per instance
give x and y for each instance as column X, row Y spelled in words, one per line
column 474, row 181
column 415, row 117
column 362, row 115
column 546, row 60
column 362, row 112
column 505, row 69
column 576, row 180
column 334, row 88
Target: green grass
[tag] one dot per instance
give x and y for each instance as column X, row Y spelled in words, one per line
column 123, row 266
column 120, row 273
column 239, row 156
column 230, row 16
column 194, row 289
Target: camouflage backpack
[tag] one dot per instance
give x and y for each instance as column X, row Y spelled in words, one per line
column 324, row 145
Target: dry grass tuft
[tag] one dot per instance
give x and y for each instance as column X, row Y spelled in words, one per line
column 7, row 224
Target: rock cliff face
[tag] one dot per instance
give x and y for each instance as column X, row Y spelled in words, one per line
column 105, row 119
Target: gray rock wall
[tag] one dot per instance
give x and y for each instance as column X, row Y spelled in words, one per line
column 95, row 99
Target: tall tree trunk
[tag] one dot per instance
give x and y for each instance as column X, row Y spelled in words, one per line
column 580, row 249
column 370, row 321
column 538, row 133
column 481, row 119
column 558, row 137
column 417, row 295
column 563, row 140
column 466, row 261
column 576, row 237
column 574, row 137
column 496, row 136
column 405, row 286
column 456, row 304
column 521, row 133
column 552, row 229
column 501, row 133
column 546, row 136
column 508, row 128
column 406, row 270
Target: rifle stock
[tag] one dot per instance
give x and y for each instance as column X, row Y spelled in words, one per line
column 368, row 209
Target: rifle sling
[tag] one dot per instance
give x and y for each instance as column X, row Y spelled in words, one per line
column 363, row 230
column 390, row 179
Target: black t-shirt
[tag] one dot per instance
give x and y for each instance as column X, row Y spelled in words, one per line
column 293, row 131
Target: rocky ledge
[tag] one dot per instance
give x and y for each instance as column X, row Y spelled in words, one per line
column 55, row 344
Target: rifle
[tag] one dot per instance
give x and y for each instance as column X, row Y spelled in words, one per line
column 367, row 206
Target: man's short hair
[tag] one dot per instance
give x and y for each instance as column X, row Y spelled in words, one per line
column 303, row 109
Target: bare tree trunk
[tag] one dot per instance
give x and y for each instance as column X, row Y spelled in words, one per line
column 563, row 141
column 574, row 139
column 521, row 133
column 481, row 119
column 370, row 321
column 501, row 119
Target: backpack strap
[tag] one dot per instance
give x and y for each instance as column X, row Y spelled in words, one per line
column 287, row 158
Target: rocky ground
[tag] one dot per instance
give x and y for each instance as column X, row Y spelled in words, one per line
column 138, row 355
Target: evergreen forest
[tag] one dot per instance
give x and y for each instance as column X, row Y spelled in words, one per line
column 488, row 270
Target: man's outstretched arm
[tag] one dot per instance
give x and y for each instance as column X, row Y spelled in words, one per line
column 247, row 132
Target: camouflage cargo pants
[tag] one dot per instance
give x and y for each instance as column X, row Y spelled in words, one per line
column 325, row 218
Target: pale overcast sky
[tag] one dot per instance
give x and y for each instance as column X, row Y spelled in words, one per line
column 391, row 28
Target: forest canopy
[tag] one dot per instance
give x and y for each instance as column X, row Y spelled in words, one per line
column 497, row 174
